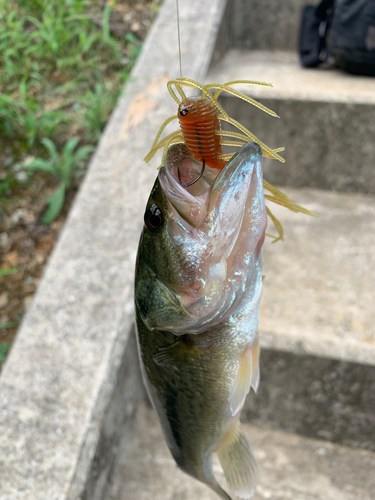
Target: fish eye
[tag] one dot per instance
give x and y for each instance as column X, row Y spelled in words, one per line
column 184, row 112
column 153, row 218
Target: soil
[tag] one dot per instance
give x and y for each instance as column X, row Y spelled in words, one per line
column 25, row 242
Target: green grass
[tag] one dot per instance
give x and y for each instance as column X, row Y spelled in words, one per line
column 4, row 348
column 60, row 76
column 8, row 270
column 61, row 166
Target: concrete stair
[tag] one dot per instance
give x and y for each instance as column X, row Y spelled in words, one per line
column 290, row 468
column 318, row 308
column 317, row 321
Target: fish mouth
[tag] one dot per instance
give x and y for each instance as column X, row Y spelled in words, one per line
column 220, row 222
column 189, row 201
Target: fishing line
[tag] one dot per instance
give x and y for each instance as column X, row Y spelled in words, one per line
column 179, row 39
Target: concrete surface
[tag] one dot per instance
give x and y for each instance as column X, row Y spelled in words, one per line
column 290, row 81
column 290, row 468
column 57, row 413
column 319, row 292
column 315, row 397
column 326, row 119
column 267, row 25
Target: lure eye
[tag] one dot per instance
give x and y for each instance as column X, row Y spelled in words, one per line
column 153, row 218
column 184, row 112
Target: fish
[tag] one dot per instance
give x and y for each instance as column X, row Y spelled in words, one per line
column 198, row 285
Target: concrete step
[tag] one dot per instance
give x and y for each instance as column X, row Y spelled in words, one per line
column 327, row 119
column 266, row 25
column 290, row 468
column 319, row 283
column 317, row 326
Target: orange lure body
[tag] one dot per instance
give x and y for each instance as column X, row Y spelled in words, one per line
column 199, row 125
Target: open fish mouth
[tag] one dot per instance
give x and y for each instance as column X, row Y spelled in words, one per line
column 219, row 222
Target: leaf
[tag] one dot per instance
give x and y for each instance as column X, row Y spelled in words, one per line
column 106, row 29
column 34, row 21
column 67, row 165
column 69, row 148
column 83, row 152
column 10, row 324
column 9, row 100
column 88, row 42
column 40, row 164
column 131, row 38
column 55, row 203
column 51, row 148
column 23, row 90
column 4, row 348
column 8, row 270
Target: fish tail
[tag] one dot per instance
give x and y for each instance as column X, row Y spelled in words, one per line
column 238, row 463
column 203, row 472
column 210, row 480
column 219, row 490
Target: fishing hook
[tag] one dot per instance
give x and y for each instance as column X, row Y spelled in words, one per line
column 195, row 180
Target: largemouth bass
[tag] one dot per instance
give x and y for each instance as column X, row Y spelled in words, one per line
column 197, row 291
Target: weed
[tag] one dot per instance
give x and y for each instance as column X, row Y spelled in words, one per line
column 97, row 105
column 134, row 48
column 4, row 348
column 9, row 180
column 61, row 166
column 59, row 72
column 8, row 270
column 24, row 118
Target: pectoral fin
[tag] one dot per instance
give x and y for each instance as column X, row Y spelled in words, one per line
column 238, row 463
column 247, row 375
column 176, row 356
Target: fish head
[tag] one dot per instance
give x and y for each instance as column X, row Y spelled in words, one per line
column 200, row 253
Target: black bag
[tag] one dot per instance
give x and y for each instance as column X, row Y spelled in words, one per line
column 352, row 36
column 314, row 26
column 345, row 30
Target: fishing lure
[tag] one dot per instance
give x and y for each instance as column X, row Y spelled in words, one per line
column 200, row 129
